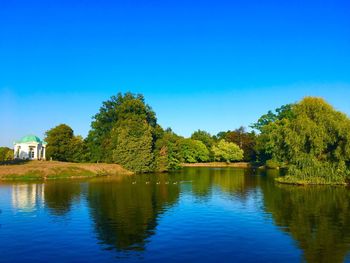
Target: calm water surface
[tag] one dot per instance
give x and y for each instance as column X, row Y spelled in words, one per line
column 195, row 215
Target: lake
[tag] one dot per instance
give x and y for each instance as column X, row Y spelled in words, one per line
column 194, row 215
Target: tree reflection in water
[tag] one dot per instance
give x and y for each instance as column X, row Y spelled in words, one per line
column 125, row 210
column 125, row 213
column 59, row 196
column 317, row 217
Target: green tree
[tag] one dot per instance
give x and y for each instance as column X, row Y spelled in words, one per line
column 192, row 151
column 263, row 144
column 117, row 108
column 220, row 136
column 125, row 131
column 167, row 151
column 59, row 143
column 134, row 145
column 245, row 140
column 132, row 139
column 6, row 154
column 227, row 151
column 284, row 112
column 204, row 137
column 78, row 151
column 314, row 141
column 63, row 146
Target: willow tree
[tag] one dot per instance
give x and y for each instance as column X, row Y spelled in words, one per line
column 313, row 141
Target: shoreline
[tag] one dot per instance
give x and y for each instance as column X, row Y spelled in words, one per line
column 219, row 165
column 280, row 180
column 50, row 170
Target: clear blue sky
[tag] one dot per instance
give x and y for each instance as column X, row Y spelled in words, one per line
column 212, row 65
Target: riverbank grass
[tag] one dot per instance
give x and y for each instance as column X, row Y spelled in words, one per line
column 321, row 173
column 41, row 170
column 289, row 179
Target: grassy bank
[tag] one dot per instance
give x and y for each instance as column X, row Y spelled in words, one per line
column 288, row 179
column 40, row 170
column 316, row 173
column 218, row 164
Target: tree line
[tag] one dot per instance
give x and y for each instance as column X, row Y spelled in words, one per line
column 309, row 138
column 125, row 131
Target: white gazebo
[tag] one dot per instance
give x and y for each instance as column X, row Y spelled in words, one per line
column 30, row 148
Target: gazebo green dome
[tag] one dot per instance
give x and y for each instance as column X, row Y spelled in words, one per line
column 29, row 138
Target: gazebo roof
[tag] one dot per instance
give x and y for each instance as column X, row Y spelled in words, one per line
column 30, row 138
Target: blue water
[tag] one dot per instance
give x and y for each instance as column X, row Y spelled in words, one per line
column 195, row 215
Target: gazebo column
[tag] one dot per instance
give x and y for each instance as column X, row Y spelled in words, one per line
column 35, row 151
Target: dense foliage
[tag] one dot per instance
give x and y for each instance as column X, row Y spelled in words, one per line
column 193, row 151
column 62, row 145
column 6, row 154
column 133, row 146
column 112, row 113
column 245, row 140
column 204, row 137
column 125, row 131
column 167, row 151
column 312, row 140
column 227, row 151
column 284, row 112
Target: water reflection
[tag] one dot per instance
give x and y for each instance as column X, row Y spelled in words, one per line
column 27, row 197
column 125, row 211
column 235, row 182
column 318, row 218
column 60, row 195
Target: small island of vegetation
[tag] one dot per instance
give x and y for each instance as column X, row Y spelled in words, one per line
column 310, row 140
